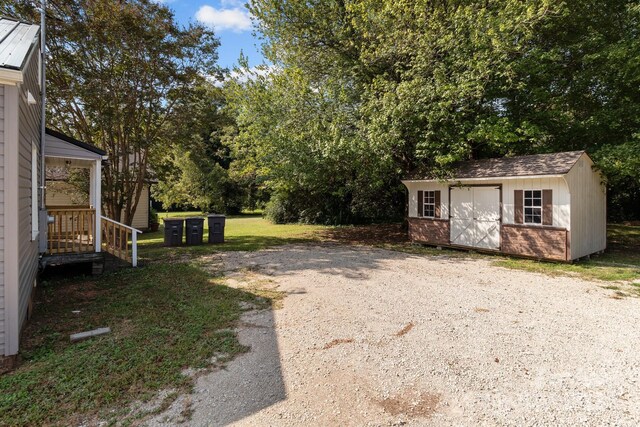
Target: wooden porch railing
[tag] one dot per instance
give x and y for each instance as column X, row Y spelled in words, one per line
column 72, row 230
column 120, row 240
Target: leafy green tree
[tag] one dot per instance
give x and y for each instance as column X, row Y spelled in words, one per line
column 366, row 92
column 194, row 170
column 117, row 71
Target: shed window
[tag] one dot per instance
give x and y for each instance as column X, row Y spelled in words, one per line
column 533, row 206
column 429, row 206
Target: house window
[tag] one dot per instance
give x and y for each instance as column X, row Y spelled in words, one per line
column 429, row 204
column 34, row 191
column 533, row 206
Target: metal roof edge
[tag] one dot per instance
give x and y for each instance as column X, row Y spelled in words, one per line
column 34, row 43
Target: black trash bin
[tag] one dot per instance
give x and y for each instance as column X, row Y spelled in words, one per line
column 216, row 228
column 194, row 231
column 173, row 231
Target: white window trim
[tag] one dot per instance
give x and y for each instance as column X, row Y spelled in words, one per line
column 35, row 231
column 524, row 208
column 425, row 203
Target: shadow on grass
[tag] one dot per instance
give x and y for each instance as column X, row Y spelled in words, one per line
column 164, row 318
column 158, row 252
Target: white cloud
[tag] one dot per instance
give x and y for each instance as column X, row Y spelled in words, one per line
column 235, row 19
column 232, row 3
column 244, row 75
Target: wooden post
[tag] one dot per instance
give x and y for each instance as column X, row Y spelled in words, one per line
column 134, row 248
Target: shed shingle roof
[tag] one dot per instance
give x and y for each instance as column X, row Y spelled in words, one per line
column 16, row 41
column 533, row 165
column 537, row 164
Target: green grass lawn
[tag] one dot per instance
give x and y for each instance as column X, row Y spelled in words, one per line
column 242, row 233
column 163, row 319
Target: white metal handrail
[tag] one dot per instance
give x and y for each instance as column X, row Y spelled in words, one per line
column 134, row 238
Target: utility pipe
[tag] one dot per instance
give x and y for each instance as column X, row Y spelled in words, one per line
column 43, row 91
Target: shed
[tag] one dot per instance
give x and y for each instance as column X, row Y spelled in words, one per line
column 545, row 206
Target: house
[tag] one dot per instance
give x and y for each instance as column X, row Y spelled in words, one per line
column 31, row 234
column 546, row 206
column 20, row 161
column 62, row 194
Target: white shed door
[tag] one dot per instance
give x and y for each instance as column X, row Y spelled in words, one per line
column 462, row 216
column 475, row 217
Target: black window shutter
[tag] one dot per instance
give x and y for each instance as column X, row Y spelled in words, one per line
column 420, row 203
column 437, row 202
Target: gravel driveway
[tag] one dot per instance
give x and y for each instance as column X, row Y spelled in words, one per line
column 373, row 337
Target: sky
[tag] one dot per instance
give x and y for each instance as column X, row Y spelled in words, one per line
column 231, row 22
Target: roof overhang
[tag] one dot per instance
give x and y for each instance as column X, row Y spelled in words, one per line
column 63, row 146
column 482, row 179
column 10, row 77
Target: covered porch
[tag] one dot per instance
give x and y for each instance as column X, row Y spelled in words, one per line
column 77, row 229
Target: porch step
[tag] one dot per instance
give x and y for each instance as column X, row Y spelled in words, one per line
column 96, row 258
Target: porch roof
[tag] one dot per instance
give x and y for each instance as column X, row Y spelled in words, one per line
column 59, row 145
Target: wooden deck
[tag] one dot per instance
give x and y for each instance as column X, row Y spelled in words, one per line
column 73, row 232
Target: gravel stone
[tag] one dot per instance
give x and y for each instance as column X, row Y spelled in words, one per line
column 486, row 346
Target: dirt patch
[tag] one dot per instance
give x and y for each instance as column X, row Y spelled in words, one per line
column 411, row 404
column 409, row 326
column 481, row 310
column 374, row 234
column 68, row 302
column 336, row 342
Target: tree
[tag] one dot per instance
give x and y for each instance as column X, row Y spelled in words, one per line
column 117, row 70
column 194, row 171
column 367, row 92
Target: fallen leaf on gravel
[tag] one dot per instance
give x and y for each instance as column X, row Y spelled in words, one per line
column 406, row 329
column 337, row 342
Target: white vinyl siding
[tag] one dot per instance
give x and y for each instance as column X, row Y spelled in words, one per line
column 35, row 152
column 561, row 197
column 414, row 187
column 29, row 133
column 589, row 209
column 141, row 215
column 55, row 147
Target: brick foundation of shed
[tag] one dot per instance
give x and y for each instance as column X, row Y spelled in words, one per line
column 534, row 241
column 429, row 230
